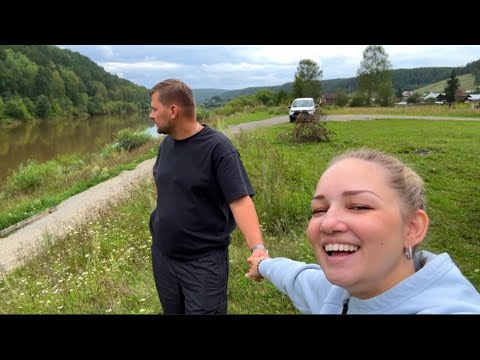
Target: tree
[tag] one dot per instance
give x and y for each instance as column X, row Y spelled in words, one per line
column 342, row 98
column 385, row 93
column 476, row 74
column 307, row 80
column 43, row 108
column 398, row 93
column 451, row 89
column 375, row 70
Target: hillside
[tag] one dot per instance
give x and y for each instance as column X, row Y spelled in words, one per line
column 467, row 83
column 42, row 81
column 202, row 94
column 422, row 79
column 403, row 79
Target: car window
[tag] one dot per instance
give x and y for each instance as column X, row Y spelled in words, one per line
column 302, row 103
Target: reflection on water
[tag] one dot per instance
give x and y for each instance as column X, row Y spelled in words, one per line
column 46, row 139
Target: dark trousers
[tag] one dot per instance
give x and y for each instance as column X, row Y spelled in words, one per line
column 192, row 287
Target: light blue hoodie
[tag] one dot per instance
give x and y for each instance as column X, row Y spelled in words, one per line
column 437, row 287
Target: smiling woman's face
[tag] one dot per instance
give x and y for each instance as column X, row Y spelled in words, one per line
column 356, row 230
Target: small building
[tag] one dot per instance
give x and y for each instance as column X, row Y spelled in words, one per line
column 329, row 98
column 473, row 98
column 461, row 95
column 435, row 95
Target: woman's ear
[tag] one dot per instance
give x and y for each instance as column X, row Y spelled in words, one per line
column 417, row 228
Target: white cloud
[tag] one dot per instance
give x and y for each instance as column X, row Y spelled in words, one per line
column 238, row 66
column 144, row 66
column 241, row 67
column 107, row 51
column 292, row 54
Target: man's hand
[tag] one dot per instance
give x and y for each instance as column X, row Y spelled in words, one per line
column 258, row 252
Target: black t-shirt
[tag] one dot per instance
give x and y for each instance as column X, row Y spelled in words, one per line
column 196, row 179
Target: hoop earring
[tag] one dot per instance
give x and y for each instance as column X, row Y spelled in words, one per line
column 408, row 253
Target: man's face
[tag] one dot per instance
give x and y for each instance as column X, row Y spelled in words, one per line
column 160, row 115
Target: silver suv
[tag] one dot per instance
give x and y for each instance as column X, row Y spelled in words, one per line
column 301, row 105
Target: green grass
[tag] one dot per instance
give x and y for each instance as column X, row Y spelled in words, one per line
column 467, row 82
column 36, row 187
column 106, row 267
column 458, row 110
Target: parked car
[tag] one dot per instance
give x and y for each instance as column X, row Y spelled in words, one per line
column 301, row 105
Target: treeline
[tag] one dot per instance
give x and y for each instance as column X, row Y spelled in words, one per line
column 412, row 79
column 402, row 80
column 42, row 81
column 471, row 68
column 261, row 100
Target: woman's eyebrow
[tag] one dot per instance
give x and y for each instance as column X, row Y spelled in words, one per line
column 348, row 193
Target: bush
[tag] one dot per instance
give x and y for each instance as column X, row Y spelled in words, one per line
column 358, row 100
column 128, row 139
column 309, row 128
column 16, row 109
column 26, row 179
column 202, row 113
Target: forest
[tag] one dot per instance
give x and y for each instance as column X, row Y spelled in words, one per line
column 44, row 81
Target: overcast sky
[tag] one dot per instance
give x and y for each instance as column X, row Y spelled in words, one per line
column 240, row 66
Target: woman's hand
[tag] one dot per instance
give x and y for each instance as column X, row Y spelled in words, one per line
column 253, row 271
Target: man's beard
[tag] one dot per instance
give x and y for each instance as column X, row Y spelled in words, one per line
column 164, row 130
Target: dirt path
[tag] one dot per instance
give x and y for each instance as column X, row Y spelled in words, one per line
column 75, row 212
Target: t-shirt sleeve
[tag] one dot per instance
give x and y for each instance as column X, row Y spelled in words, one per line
column 232, row 177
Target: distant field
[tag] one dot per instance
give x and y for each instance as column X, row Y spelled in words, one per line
column 458, row 110
column 466, row 83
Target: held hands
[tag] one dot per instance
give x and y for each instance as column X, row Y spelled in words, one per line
column 256, row 257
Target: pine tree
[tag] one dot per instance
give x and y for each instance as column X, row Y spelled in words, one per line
column 451, row 89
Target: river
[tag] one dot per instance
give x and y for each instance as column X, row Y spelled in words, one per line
column 44, row 140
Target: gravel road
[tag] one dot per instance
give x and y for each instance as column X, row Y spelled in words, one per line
column 82, row 208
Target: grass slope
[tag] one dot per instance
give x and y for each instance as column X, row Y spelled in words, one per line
column 466, row 83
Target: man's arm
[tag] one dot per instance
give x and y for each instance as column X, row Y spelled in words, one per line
column 245, row 215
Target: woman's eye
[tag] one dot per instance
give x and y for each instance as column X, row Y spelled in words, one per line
column 318, row 211
column 359, row 207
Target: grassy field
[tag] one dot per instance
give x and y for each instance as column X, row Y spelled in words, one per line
column 458, row 110
column 106, row 268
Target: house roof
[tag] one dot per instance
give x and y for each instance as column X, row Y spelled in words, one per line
column 433, row 95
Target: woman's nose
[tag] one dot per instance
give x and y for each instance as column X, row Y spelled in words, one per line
column 333, row 221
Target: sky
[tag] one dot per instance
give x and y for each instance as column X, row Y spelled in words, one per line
column 232, row 67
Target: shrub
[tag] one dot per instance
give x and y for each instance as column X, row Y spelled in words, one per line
column 128, row 139
column 309, row 128
column 16, row 109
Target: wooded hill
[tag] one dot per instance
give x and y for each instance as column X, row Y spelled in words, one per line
column 402, row 80
column 46, row 81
